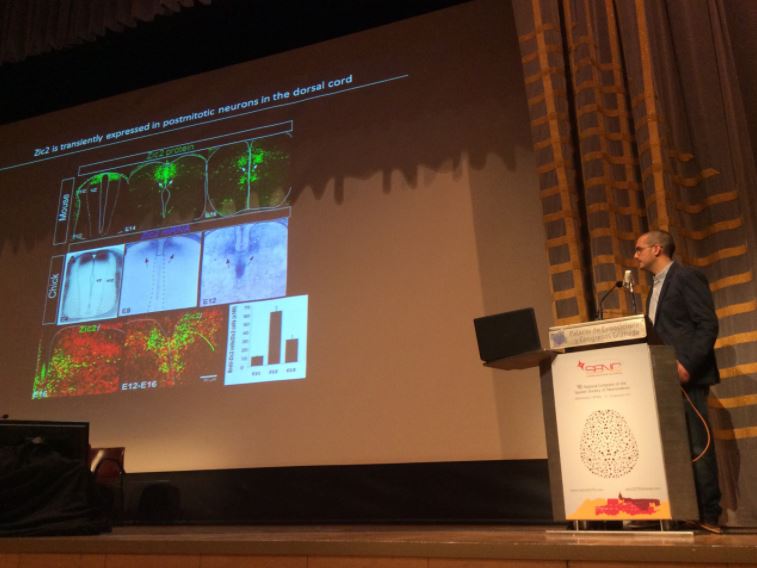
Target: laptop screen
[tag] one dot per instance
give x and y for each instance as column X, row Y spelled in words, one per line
column 507, row 334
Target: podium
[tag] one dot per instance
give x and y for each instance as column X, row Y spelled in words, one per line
column 616, row 434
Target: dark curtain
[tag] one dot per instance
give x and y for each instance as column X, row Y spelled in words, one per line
column 45, row 493
column 638, row 120
column 31, row 27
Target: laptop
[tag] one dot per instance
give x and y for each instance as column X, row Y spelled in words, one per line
column 507, row 334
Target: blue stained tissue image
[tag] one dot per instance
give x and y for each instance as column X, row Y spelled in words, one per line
column 245, row 262
column 161, row 274
column 91, row 285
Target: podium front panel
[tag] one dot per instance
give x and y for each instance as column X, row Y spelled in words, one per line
column 616, row 435
column 609, row 436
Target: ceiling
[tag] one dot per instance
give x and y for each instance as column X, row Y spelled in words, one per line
column 200, row 36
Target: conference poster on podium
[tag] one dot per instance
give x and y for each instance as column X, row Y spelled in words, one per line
column 608, row 430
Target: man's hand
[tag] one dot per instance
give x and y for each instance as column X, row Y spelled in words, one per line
column 683, row 374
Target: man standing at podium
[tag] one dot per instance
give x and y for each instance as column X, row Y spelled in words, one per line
column 681, row 309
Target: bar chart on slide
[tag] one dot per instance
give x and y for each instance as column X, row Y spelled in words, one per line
column 267, row 341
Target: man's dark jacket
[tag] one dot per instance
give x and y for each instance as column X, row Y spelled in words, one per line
column 686, row 319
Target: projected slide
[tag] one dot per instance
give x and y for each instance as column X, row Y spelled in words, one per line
column 267, row 341
column 161, row 243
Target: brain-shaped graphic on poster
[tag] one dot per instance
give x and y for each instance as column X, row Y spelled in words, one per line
column 608, row 447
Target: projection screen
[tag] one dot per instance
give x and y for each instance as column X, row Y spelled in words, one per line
column 278, row 263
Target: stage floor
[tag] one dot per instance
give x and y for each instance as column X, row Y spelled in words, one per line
column 378, row 546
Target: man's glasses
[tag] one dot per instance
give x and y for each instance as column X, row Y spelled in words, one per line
column 639, row 249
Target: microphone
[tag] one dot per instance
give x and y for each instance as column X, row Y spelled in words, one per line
column 628, row 285
column 628, row 280
column 600, row 310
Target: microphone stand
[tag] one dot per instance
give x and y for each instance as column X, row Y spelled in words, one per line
column 600, row 310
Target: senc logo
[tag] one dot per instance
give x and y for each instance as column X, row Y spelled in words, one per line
column 599, row 368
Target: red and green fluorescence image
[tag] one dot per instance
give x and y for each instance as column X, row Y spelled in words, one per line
column 174, row 349
column 139, row 353
column 80, row 360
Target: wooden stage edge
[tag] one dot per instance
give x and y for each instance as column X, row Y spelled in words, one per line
column 392, row 546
